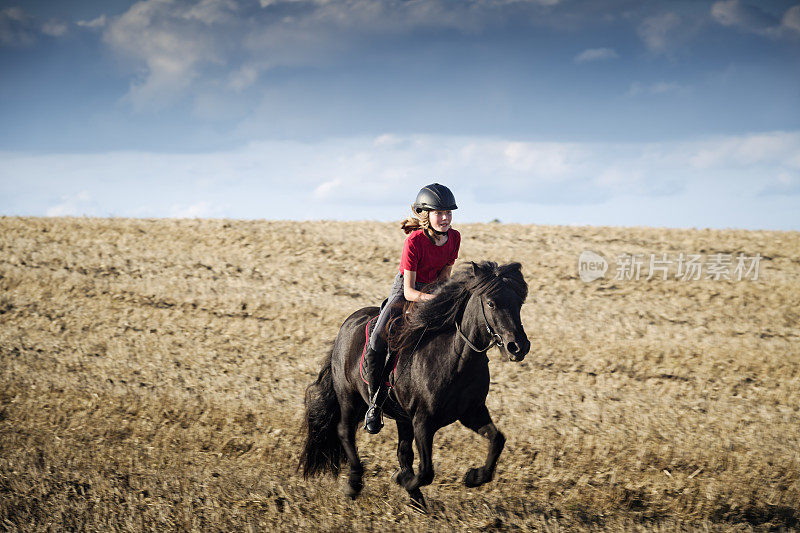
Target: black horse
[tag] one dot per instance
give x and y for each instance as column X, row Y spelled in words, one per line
column 442, row 375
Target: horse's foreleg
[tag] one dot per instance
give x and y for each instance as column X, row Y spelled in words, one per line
column 405, row 452
column 347, row 435
column 480, row 421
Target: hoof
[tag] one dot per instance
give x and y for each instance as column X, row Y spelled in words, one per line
column 475, row 477
column 353, row 489
column 417, row 503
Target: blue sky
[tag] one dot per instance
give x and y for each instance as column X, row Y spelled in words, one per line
column 602, row 112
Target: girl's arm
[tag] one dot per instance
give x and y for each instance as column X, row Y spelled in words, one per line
column 409, row 291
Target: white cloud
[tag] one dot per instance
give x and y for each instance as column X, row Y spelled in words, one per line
column 657, row 88
column 243, row 78
column 728, row 13
column 784, row 183
column 499, row 171
column 747, row 17
column 596, row 54
column 543, row 3
column 656, row 31
column 16, row 28
column 54, row 28
column 186, row 46
column 751, row 18
column 388, row 139
column 327, row 189
column 761, row 149
column 268, row 3
column 663, row 87
column 19, row 29
column 335, row 176
column 549, row 161
column 74, row 205
column 95, row 23
column 172, row 40
column 211, row 12
column 791, row 19
column 196, row 210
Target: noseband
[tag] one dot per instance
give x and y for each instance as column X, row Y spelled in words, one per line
column 496, row 338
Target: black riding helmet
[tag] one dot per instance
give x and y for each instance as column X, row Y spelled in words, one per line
column 434, row 197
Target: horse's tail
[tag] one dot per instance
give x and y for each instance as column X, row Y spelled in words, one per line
column 322, row 450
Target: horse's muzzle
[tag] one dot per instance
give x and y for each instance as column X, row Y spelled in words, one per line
column 518, row 349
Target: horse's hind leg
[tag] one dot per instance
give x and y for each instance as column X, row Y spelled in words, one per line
column 347, row 435
column 480, row 421
column 405, row 452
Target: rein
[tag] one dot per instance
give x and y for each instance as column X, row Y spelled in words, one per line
column 496, row 338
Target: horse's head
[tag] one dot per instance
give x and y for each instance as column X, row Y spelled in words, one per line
column 483, row 297
column 498, row 293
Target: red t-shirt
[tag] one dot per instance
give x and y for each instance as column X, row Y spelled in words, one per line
column 420, row 255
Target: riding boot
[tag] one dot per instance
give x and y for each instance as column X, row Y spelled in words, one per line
column 373, row 421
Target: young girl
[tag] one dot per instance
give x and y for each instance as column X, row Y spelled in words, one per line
column 429, row 252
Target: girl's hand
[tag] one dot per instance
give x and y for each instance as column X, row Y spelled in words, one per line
column 409, row 292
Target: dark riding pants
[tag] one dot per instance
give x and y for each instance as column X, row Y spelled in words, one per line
column 392, row 309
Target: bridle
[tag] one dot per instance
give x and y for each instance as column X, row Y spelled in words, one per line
column 496, row 338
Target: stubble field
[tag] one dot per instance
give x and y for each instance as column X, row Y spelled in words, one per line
column 152, row 375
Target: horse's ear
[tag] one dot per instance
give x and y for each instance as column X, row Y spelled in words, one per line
column 474, row 268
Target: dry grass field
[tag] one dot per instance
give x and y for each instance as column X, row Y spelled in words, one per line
column 152, row 375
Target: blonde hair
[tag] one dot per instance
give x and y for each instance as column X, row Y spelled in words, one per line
column 419, row 221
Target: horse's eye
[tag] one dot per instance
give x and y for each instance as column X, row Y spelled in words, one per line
column 490, row 304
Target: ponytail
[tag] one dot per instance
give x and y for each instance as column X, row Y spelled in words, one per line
column 410, row 224
column 419, row 221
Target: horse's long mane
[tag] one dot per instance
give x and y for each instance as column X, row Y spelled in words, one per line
column 442, row 312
